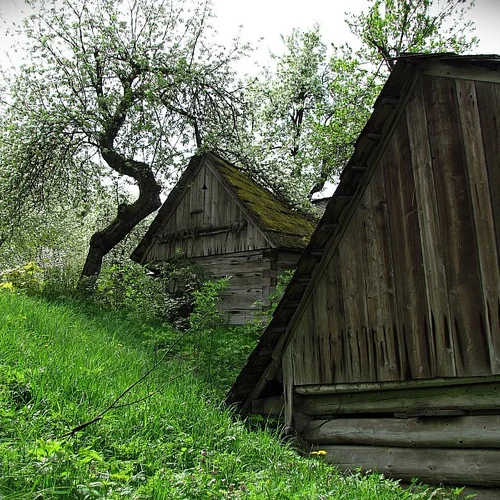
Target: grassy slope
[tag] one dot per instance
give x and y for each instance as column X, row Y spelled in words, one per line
column 60, row 365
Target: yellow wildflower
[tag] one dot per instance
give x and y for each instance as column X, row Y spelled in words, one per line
column 319, row 453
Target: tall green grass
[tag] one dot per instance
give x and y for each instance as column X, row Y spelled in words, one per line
column 62, row 363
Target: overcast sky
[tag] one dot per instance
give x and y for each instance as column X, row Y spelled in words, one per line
column 269, row 19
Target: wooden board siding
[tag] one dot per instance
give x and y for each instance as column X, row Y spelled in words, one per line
column 253, row 278
column 407, row 256
column 251, row 274
column 483, row 215
column 412, row 290
column 207, row 215
column 457, row 226
column 379, row 282
column 438, row 310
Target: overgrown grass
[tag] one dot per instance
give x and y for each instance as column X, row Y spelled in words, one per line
column 62, row 363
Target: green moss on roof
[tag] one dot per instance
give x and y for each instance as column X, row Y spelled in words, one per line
column 286, row 228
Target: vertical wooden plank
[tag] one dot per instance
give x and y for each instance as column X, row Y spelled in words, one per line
column 407, row 254
column 379, row 279
column 336, row 319
column 457, row 226
column 288, row 383
column 305, row 355
column 438, row 312
column 320, row 329
column 353, row 290
column 483, row 215
column 488, row 99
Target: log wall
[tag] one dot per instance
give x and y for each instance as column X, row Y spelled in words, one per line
column 253, row 278
column 412, row 290
column 438, row 434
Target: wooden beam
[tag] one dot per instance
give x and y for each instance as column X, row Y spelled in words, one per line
column 450, row 466
column 436, row 432
column 376, row 386
column 462, row 72
column 473, row 397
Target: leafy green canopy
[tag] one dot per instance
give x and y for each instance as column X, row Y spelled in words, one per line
column 303, row 127
column 107, row 86
column 309, row 109
column 390, row 28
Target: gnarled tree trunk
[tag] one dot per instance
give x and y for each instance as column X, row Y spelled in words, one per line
column 128, row 216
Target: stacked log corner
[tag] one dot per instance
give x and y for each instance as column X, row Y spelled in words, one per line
column 438, row 434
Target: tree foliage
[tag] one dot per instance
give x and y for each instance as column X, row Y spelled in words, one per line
column 111, row 87
column 301, row 129
column 390, row 28
column 310, row 107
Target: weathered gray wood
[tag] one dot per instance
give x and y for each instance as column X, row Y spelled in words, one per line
column 448, row 465
column 355, row 311
column 321, row 334
column 420, row 432
column 287, row 366
column 488, row 98
column 378, row 270
column 457, row 226
column 477, row 397
column 375, row 386
column 483, row 215
column 441, row 348
column 411, row 321
column 463, row 72
column 270, row 406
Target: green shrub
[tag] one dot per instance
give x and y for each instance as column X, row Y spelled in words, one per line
column 28, row 278
column 164, row 292
column 178, row 279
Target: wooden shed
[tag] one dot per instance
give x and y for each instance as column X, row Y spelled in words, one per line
column 385, row 349
column 220, row 218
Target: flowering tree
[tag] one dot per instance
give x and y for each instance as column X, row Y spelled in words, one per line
column 110, row 88
column 311, row 106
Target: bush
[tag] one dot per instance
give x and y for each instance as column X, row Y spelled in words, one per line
column 178, row 279
column 164, row 292
column 28, row 278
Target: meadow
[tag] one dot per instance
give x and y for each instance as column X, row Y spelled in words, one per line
column 63, row 362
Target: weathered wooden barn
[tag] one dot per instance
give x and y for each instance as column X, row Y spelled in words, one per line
column 385, row 349
column 220, row 218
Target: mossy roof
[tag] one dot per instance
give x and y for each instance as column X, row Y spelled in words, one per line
column 285, row 227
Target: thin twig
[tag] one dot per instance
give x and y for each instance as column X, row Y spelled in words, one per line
column 114, row 405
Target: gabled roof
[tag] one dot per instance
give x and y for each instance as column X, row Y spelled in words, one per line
column 280, row 225
column 389, row 106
